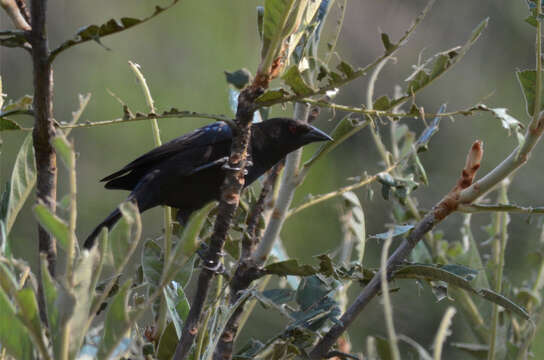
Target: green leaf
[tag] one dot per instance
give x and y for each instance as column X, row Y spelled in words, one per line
column 8, row 124
column 279, row 296
column 345, row 128
column 14, row 336
column 387, row 43
column 188, row 243
column 167, row 343
column 293, row 78
column 272, row 95
column 121, row 239
column 446, row 274
column 152, row 263
column 527, row 81
column 59, row 306
column 64, row 149
column 437, row 65
column 503, row 301
column 28, row 311
column 117, row 322
column 23, row 103
column 396, row 231
column 112, row 26
column 239, row 78
column 177, row 305
column 53, row 224
column 80, row 296
column 290, row 267
column 356, row 222
column 281, row 19
column 21, row 183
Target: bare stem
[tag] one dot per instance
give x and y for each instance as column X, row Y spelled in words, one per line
column 287, row 189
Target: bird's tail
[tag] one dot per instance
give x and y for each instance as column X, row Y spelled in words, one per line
column 108, row 222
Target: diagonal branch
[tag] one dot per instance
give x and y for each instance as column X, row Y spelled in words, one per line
column 445, row 207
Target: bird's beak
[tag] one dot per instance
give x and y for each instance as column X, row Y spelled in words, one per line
column 316, row 135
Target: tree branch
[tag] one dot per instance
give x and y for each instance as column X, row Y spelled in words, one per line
column 230, row 196
column 246, row 271
column 44, row 130
column 444, row 208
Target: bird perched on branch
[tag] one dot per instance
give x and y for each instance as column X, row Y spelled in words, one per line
column 187, row 172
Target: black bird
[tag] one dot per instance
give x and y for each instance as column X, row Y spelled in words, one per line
column 186, row 173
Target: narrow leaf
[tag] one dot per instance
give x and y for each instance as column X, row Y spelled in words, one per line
column 290, row 267
column 22, row 181
column 14, row 336
column 53, row 224
column 117, row 322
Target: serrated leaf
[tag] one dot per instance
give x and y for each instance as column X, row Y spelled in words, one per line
column 293, row 78
column 14, row 336
column 23, row 103
column 53, row 224
column 112, row 26
column 382, row 103
column 343, row 130
column 21, row 183
column 290, row 267
column 117, row 322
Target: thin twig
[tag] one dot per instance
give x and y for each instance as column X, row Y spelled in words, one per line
column 392, row 114
column 320, row 198
column 508, row 208
column 170, row 114
column 442, row 333
column 387, row 308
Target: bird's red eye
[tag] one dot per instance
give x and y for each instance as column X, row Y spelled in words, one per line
column 293, row 129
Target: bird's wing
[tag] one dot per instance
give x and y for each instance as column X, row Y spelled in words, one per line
column 212, row 134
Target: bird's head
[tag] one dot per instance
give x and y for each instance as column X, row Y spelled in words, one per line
column 288, row 134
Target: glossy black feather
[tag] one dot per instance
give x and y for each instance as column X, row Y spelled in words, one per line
column 186, row 173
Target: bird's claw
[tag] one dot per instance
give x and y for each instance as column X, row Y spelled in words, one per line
column 209, row 265
column 231, row 168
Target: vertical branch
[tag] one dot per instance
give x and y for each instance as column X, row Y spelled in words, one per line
column 289, row 183
column 44, row 130
column 230, row 197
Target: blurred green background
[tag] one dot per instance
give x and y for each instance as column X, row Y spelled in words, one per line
column 183, row 54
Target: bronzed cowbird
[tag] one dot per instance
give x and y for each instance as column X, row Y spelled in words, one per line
column 187, row 172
